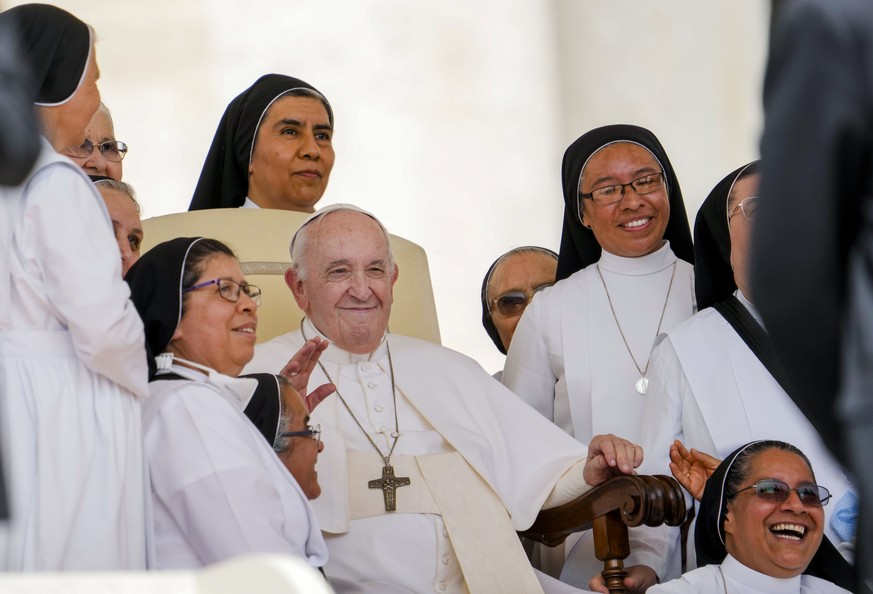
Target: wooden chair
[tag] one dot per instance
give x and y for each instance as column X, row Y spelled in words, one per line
column 260, row 239
column 610, row 509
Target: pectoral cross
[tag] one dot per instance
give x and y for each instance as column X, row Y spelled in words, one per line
column 389, row 483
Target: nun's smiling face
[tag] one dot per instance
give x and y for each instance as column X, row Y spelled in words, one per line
column 293, row 155
column 214, row 331
column 634, row 226
column 778, row 539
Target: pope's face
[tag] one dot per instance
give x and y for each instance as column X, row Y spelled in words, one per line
column 293, row 155
column 634, row 226
column 776, row 539
column 346, row 287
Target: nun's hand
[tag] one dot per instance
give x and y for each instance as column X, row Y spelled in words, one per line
column 299, row 368
column 608, row 456
column 639, row 579
column 692, row 468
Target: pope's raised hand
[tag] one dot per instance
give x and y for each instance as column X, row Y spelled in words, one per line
column 299, row 368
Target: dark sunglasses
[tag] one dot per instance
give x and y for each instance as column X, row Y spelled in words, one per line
column 513, row 303
column 778, row 491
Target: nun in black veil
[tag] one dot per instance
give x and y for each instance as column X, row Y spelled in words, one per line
column 72, row 361
column 761, row 523
column 715, row 379
column 218, row 489
column 580, row 353
column 272, row 149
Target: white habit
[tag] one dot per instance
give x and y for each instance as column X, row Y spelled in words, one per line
column 72, row 364
column 710, row 390
column 445, row 403
column 218, row 488
column 568, row 360
column 742, row 580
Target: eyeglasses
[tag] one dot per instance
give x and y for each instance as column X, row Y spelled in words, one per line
column 311, row 432
column 112, row 150
column 611, row 194
column 513, row 303
column 230, row 290
column 778, row 491
column 747, row 207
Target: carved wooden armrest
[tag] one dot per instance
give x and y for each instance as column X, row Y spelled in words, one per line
column 610, row 508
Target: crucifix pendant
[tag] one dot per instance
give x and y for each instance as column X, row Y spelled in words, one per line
column 389, row 483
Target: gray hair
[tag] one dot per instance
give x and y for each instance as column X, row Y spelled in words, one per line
column 739, row 471
column 120, row 186
column 300, row 242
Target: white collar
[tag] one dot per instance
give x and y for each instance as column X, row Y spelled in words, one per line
column 236, row 390
column 658, row 260
column 759, row 582
column 249, row 204
column 750, row 306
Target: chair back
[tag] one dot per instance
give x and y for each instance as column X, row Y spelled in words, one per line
column 260, row 238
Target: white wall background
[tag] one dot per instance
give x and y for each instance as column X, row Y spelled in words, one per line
column 451, row 117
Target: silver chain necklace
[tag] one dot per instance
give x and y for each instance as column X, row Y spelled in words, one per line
column 723, row 579
column 642, row 384
column 388, row 483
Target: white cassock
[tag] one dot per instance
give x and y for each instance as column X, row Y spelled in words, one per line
column 710, row 390
column 742, row 580
column 446, row 405
column 72, row 364
column 568, row 360
column 218, row 488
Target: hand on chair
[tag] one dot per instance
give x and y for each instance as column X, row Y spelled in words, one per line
column 608, row 456
column 639, row 579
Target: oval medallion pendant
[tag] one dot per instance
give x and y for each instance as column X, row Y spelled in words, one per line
column 642, row 385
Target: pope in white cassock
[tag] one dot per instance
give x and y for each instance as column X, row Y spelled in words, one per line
column 714, row 383
column 429, row 465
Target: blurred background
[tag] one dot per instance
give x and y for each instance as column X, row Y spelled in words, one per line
column 451, row 117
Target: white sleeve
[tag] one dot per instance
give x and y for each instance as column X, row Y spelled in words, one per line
column 81, row 267
column 527, row 371
column 208, row 476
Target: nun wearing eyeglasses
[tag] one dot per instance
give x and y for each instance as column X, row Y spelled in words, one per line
column 72, row 362
column 760, row 527
column 508, row 287
column 715, row 383
column 580, row 354
column 273, row 149
column 218, row 487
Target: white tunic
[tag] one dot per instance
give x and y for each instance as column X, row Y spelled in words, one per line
column 445, row 402
column 72, row 362
column 218, row 488
column 742, row 580
column 568, row 360
column 711, row 391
